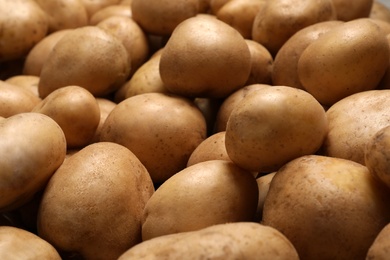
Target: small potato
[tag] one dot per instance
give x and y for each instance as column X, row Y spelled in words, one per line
column 262, row 64
column 108, row 11
column 93, row 6
column 347, row 12
column 379, row 11
column 15, row 99
column 243, row 240
column 274, row 125
column 75, row 110
column 28, row 82
column 263, row 183
column 17, row 243
column 23, row 24
column 105, row 107
column 216, row 5
column 32, row 147
column 199, row 196
column 380, row 247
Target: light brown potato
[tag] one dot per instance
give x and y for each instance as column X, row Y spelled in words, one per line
column 262, row 64
column 93, row 6
column 274, row 125
column 199, row 196
column 75, row 110
column 243, row 240
column 347, row 12
column 278, row 20
column 348, row 59
column 109, row 11
column 263, row 183
column 37, row 56
column 212, row 62
column 160, row 17
column 28, row 82
column 105, row 107
column 240, row 14
column 33, row 146
column 380, row 247
column 329, row 208
column 88, row 57
column 285, row 65
column 64, row 14
column 107, row 188
column 162, row 130
column 352, row 123
column 216, row 5
column 17, row 243
column 379, row 11
column 15, row 99
column 23, row 24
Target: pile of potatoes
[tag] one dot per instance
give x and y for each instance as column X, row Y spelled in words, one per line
column 196, row 129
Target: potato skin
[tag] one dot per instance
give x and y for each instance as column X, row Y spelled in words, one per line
column 379, row 250
column 32, row 147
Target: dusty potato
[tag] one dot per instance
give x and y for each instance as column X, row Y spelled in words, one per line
column 278, row 20
column 32, row 147
column 64, row 14
column 346, row 11
column 262, row 64
column 205, row 57
column 92, row 205
column 353, row 121
column 29, row 82
column 108, row 11
column 285, row 65
column 23, row 24
column 75, row 110
column 15, row 99
column 379, row 11
column 162, row 130
column 380, row 247
column 88, row 57
column 274, row 125
column 243, row 240
column 204, row 194
column 37, row 56
column 160, row 17
column 348, row 59
column 17, row 243
column 329, row 208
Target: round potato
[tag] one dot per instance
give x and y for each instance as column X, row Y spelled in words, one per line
column 262, row 64
column 379, row 11
column 29, row 82
column 274, row 125
column 329, row 208
column 105, row 107
column 241, row 240
column 109, row 11
column 32, row 147
column 199, row 196
column 381, row 246
column 347, row 12
column 263, row 183
column 92, row 206
column 93, row 6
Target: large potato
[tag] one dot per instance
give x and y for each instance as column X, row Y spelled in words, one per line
column 93, row 204
column 32, row 147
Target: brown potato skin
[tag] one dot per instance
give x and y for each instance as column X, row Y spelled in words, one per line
column 105, row 107
column 262, row 64
column 379, row 11
column 380, row 247
column 106, row 188
column 29, row 82
column 108, row 11
column 347, row 12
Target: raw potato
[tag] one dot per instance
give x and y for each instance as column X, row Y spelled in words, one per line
column 380, row 11
column 243, row 240
column 92, row 205
column 64, row 14
column 263, row 183
column 93, row 6
column 160, row 17
column 29, row 82
column 199, row 196
column 15, row 99
column 329, row 208
column 111, row 10
column 274, row 125
column 32, row 147
column 278, row 20
column 75, row 110
column 348, row 59
column 380, row 247
column 353, row 121
column 347, row 12
column 162, row 130
column 87, row 57
column 205, row 57
column 285, row 65
column 23, row 24
column 17, row 243
column 262, row 64
column 105, row 107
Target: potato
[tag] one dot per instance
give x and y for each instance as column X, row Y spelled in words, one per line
column 17, row 243
column 379, row 11
column 216, row 5
column 88, row 57
column 243, row 240
column 93, row 6
column 273, row 125
column 160, row 17
column 278, row 20
column 262, row 64
column 29, row 82
column 32, row 147
column 199, row 196
column 209, row 108
column 285, row 65
column 92, row 205
column 353, row 121
column 346, row 11
column 23, row 23
column 162, row 130
column 329, row 208
column 64, row 14
column 105, row 107
column 348, row 59
column 37, row 56
column 379, row 249
column 109, row 11
column 75, row 110
column 15, row 99
column 263, row 183
column 205, row 57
